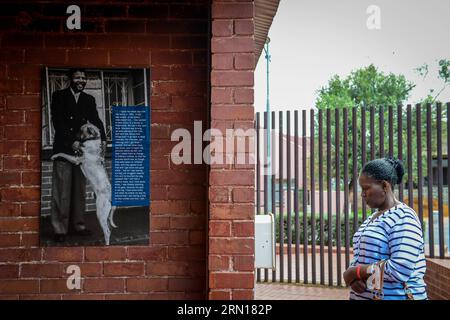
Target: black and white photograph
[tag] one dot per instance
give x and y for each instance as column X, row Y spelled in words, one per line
column 77, row 152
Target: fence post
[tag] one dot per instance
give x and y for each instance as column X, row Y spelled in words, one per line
column 273, row 172
column 346, row 192
column 400, row 144
column 363, row 153
column 305, row 200
column 338, row 195
column 258, row 178
column 440, row 174
column 288, row 194
column 419, row 161
column 296, row 207
column 313, row 198
column 321, row 199
column 280, row 195
column 329, row 203
column 409, row 152
column 430, row 182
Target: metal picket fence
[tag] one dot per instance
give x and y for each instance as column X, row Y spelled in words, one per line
column 307, row 176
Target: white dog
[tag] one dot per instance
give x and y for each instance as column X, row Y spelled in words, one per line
column 92, row 167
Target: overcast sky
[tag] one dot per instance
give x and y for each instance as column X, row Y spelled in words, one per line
column 311, row 40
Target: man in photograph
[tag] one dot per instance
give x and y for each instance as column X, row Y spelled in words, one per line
column 70, row 109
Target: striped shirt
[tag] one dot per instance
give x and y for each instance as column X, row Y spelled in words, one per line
column 395, row 236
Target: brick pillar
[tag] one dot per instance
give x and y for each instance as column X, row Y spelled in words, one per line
column 231, row 186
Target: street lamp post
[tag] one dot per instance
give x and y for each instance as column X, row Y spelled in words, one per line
column 269, row 125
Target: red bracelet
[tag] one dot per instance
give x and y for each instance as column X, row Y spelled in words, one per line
column 358, row 272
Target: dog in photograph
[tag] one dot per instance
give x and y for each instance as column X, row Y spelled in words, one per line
column 91, row 162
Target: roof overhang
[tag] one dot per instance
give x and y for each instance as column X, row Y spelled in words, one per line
column 265, row 10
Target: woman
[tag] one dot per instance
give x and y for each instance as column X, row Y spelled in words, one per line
column 389, row 260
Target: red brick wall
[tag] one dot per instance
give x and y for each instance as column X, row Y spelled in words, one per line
column 169, row 37
column 437, row 278
column 231, row 187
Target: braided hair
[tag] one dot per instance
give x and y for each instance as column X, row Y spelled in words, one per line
column 388, row 169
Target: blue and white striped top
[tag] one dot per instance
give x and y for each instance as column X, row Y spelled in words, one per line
column 395, row 236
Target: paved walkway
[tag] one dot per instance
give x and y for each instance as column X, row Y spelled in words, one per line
column 276, row 290
column 281, row 291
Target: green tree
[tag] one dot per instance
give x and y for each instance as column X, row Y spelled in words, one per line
column 363, row 88
column 369, row 87
column 432, row 99
column 443, row 75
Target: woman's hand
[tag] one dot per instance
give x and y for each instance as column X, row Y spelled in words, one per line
column 351, row 278
column 359, row 286
column 350, row 275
